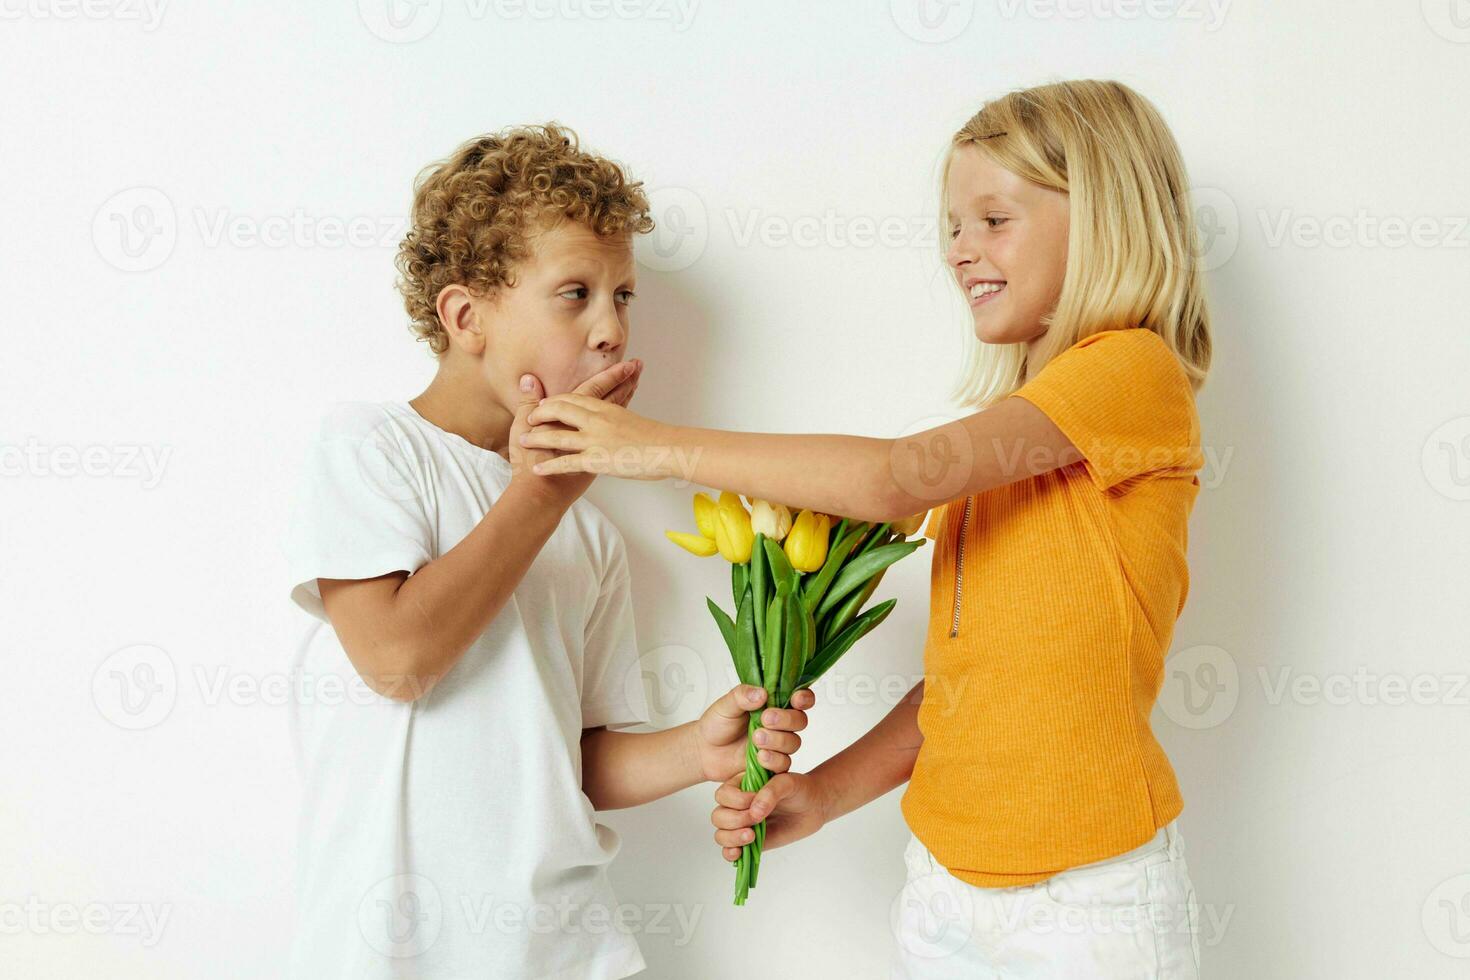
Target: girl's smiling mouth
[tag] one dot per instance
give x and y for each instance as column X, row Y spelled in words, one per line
column 982, row 291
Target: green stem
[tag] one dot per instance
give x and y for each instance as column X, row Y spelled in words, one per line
column 756, row 776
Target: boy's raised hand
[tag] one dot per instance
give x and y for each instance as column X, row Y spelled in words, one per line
column 721, row 731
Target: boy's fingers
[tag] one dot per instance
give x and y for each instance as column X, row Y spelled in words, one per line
column 532, row 391
column 731, row 853
column 783, row 719
column 777, row 741
column 739, row 700
column 774, row 761
column 804, row 699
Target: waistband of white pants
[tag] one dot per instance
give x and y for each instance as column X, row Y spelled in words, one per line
column 1166, row 838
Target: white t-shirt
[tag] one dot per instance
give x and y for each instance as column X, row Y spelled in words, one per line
column 449, row 837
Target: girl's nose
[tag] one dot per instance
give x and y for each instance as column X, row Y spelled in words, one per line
column 961, row 251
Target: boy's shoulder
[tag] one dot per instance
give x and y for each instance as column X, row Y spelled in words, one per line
column 374, row 426
column 357, row 419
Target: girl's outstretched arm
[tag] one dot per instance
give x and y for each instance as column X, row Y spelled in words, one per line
column 863, row 478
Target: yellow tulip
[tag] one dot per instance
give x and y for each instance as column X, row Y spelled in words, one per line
column 806, row 545
column 772, row 520
column 695, row 544
column 704, row 515
column 733, row 535
column 909, row 524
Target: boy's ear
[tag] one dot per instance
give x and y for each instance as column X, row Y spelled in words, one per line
column 457, row 312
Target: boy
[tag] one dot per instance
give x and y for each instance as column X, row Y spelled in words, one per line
column 479, row 613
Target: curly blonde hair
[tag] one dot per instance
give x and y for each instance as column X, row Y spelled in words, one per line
column 474, row 213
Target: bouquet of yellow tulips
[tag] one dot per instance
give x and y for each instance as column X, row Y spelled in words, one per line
column 800, row 585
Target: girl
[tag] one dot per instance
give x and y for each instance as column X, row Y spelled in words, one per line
column 1042, row 807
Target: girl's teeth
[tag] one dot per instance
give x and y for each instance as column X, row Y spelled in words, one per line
column 985, row 288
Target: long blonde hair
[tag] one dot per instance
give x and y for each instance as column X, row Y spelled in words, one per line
column 1131, row 247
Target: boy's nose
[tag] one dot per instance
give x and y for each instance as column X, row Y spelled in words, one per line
column 608, row 336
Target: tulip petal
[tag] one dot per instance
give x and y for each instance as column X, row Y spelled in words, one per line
column 704, row 514
column 696, row 544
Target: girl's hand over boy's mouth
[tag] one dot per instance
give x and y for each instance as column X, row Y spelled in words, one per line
column 613, row 386
column 592, row 435
column 720, row 732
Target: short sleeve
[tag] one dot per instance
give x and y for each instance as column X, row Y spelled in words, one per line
column 1125, row 402
column 359, row 507
column 612, row 684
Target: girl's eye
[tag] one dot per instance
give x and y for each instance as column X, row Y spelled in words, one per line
column 579, row 292
column 625, row 296
column 995, row 222
column 954, row 232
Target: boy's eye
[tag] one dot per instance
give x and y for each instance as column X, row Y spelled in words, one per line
column 996, row 222
column 625, row 296
column 577, row 292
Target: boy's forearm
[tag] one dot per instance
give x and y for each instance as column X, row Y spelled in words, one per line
column 874, row 764
column 833, row 474
column 623, row 769
column 440, row 609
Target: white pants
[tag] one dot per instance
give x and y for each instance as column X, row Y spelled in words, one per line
column 1131, row 917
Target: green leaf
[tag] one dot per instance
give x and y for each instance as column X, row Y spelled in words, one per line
column 723, row 621
column 864, row 567
column 760, row 585
column 773, row 642
column 842, row 642
column 877, row 539
column 742, row 651
column 816, row 586
column 802, row 629
column 781, row 570
column 848, row 609
column 739, row 579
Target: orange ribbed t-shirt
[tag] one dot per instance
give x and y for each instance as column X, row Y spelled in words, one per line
column 1053, row 600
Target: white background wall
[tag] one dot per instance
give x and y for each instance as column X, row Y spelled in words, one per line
column 175, row 290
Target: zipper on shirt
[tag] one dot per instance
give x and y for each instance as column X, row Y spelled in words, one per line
column 959, row 568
